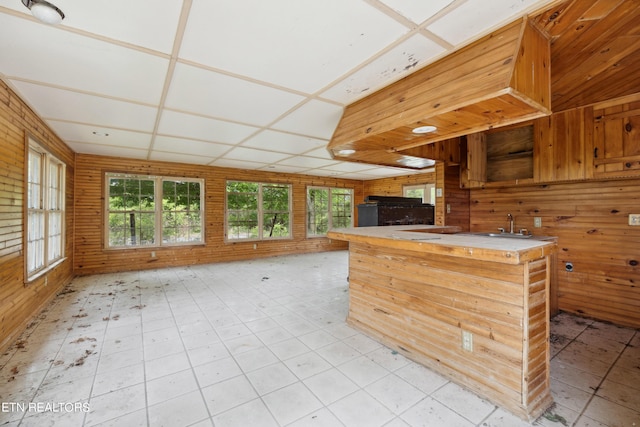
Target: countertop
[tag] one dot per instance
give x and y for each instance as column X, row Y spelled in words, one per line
column 450, row 241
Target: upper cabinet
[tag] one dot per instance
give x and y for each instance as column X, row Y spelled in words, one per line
column 559, row 152
column 616, row 139
column 595, row 142
column 499, row 157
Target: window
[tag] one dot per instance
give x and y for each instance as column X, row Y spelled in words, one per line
column 136, row 219
column 328, row 208
column 45, row 211
column 258, row 211
column 427, row 192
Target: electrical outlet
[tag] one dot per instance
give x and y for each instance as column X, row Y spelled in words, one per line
column 537, row 221
column 153, row 254
column 467, row 341
column 634, row 219
column 448, row 208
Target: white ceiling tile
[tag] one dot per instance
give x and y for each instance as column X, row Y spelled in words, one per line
column 72, row 106
column 253, row 155
column 70, row 60
column 237, row 164
column 393, row 65
column 217, row 95
column 321, row 153
column 108, row 150
column 134, row 22
column 324, row 172
column 184, row 146
column 309, row 162
column 303, row 45
column 283, row 169
column 85, row 133
column 197, row 127
column 475, row 17
column 122, row 20
column 180, row 158
column 417, row 11
column 284, row 142
column 315, row 118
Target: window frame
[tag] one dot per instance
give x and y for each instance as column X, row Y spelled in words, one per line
column 51, row 202
column 158, row 211
column 428, row 188
column 330, row 217
column 260, row 212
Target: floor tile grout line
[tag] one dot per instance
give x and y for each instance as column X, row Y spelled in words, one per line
column 95, row 374
column 595, row 390
column 192, row 368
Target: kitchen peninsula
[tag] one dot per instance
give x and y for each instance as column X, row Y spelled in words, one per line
column 473, row 307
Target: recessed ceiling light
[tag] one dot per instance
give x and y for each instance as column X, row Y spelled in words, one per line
column 415, row 162
column 346, row 152
column 97, row 133
column 425, row 129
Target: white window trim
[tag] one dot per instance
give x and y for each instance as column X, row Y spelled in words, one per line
column 158, row 211
column 47, row 159
column 427, row 187
column 260, row 237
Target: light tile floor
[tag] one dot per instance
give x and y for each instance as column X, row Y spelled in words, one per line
column 264, row 343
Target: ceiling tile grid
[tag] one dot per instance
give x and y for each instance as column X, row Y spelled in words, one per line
column 241, row 84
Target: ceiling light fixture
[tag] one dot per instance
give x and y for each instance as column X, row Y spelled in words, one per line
column 44, row 11
column 425, row 129
column 346, row 152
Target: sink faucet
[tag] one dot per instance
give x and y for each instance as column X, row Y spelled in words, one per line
column 510, row 218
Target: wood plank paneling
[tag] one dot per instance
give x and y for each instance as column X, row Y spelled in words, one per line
column 590, row 220
column 19, row 301
column 419, row 303
column 92, row 257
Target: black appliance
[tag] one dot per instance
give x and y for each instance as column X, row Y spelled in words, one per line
column 388, row 210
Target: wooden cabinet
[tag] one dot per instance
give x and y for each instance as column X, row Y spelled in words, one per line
column 559, row 152
column 499, row 157
column 595, row 142
column 616, row 139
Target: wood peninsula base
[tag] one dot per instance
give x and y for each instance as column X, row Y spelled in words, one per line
column 423, row 294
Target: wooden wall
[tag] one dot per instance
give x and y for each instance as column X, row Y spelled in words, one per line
column 590, row 220
column 92, row 257
column 20, row 301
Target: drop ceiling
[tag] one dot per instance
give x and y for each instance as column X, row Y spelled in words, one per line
column 249, row 84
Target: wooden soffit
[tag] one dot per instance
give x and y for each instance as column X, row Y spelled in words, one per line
column 501, row 79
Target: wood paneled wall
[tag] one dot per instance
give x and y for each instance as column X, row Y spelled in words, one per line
column 92, row 257
column 590, row 220
column 393, row 186
column 20, row 301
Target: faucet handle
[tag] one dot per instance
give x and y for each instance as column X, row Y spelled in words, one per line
column 500, row 229
column 524, row 231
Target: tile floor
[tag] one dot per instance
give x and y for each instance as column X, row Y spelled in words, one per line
column 264, row 343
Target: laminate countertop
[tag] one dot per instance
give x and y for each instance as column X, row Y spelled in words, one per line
column 450, row 241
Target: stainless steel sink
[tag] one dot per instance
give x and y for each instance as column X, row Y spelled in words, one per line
column 505, row 235
column 508, row 235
